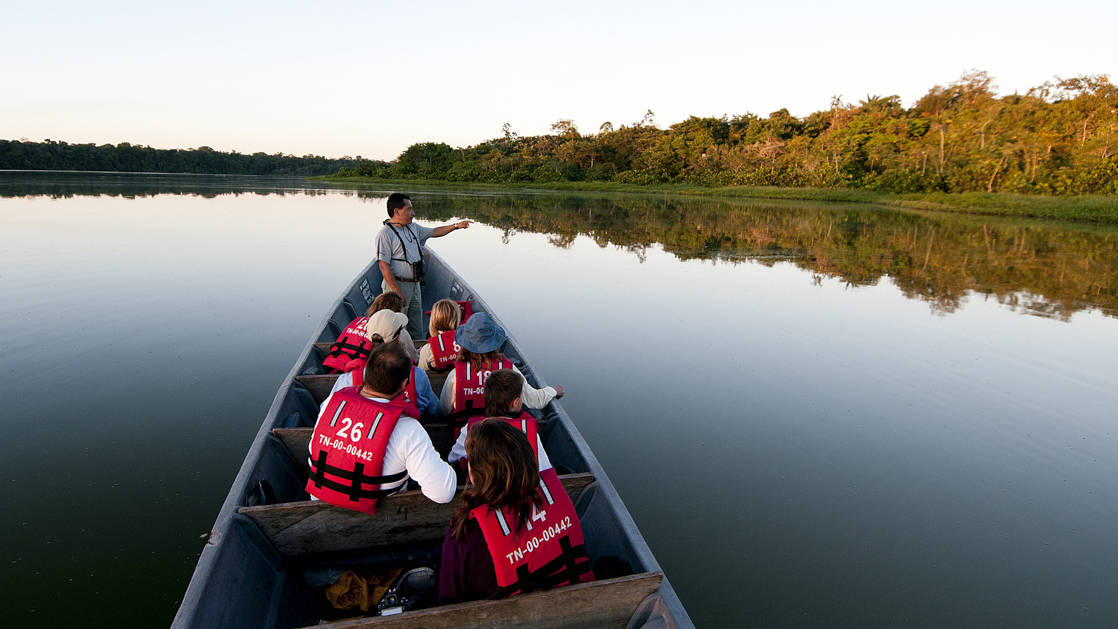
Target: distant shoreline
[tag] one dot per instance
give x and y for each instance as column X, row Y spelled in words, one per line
column 1095, row 209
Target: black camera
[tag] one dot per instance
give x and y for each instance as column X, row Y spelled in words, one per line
column 414, row 589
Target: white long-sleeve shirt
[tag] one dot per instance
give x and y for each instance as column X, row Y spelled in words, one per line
column 410, row 448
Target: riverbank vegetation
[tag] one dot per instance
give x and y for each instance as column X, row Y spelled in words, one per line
column 1040, row 268
column 1045, row 268
column 124, row 157
column 1098, row 208
column 1060, row 138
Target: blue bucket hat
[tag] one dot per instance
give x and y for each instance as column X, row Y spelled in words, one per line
column 480, row 334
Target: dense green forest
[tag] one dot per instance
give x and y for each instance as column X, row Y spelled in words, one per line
column 124, row 157
column 1058, row 138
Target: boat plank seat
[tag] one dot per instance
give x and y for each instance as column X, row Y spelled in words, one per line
column 606, row 603
column 314, row 526
column 320, row 385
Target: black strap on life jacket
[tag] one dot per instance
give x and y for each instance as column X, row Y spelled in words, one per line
column 342, row 348
column 355, row 487
column 566, row 568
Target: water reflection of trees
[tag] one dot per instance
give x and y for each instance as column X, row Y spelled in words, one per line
column 133, row 186
column 1039, row 268
column 1035, row 267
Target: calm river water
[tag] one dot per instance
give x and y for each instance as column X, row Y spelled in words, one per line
column 818, row 415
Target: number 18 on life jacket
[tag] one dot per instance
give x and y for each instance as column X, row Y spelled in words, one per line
column 469, row 391
column 545, row 552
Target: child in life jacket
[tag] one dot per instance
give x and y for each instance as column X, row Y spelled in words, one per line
column 517, row 530
column 463, row 394
column 353, row 343
column 440, row 352
column 387, row 326
column 502, row 401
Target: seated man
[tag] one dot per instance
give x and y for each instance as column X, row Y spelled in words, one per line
column 365, row 446
column 517, row 530
column 502, row 401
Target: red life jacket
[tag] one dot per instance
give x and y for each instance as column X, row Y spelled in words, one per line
column 444, row 351
column 545, row 552
column 469, row 391
column 467, row 309
column 409, row 398
column 347, row 451
column 352, row 344
column 524, row 422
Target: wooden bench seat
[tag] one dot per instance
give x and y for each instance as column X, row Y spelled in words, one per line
column 313, row 526
column 606, row 603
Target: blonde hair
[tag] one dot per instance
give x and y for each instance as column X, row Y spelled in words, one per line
column 446, row 314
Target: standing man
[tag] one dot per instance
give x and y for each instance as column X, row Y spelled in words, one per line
column 400, row 256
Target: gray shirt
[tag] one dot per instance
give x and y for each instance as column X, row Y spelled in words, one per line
column 397, row 255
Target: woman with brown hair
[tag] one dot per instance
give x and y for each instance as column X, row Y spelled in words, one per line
column 517, row 530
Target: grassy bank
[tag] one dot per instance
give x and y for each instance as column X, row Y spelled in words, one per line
column 1098, row 209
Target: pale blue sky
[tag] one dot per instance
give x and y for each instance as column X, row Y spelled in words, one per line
column 347, row 78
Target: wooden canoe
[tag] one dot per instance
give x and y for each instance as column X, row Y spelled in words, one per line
column 269, row 538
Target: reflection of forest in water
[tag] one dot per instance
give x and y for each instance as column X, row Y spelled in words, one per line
column 1034, row 267
column 64, row 185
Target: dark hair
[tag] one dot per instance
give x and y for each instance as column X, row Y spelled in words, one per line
column 501, row 388
column 388, row 367
column 388, row 300
column 504, row 470
column 396, row 201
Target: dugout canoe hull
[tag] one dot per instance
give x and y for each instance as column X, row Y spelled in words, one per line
column 267, row 538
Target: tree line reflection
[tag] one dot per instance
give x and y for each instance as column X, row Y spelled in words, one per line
column 1034, row 267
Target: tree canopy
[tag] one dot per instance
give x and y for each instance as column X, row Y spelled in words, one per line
column 1058, row 138
column 125, row 157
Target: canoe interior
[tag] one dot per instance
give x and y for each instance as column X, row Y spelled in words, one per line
column 268, row 538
